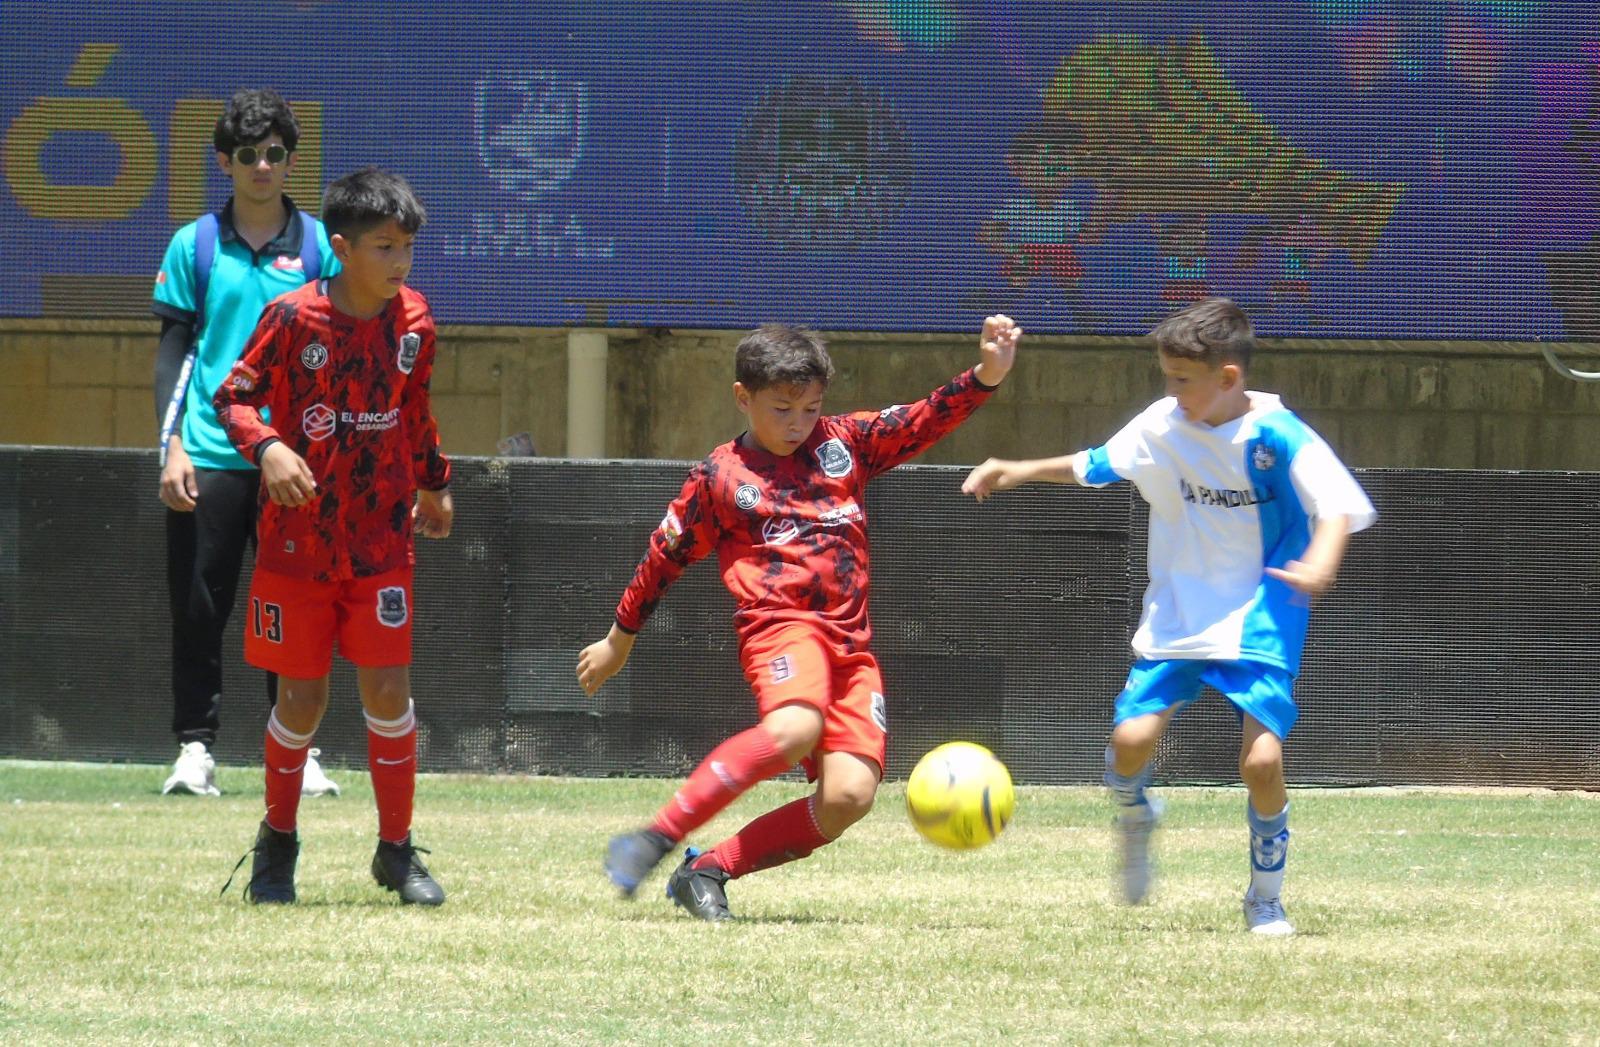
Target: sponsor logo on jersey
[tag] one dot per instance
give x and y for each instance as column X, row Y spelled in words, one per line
column 779, row 530
column 1202, row 495
column 671, row 529
column 243, row 380
column 1263, row 458
column 161, row 277
column 314, row 356
column 371, row 421
column 410, row 345
column 392, row 610
column 880, row 712
column 289, row 261
column 747, row 496
column 840, row 514
column 834, row 458
column 319, row 421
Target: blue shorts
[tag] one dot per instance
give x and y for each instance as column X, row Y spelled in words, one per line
column 1262, row 691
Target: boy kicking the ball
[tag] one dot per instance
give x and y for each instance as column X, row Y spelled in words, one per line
column 783, row 507
column 350, row 467
column 1249, row 515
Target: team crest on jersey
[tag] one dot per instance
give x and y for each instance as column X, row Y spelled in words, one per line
column 392, row 610
column 314, row 356
column 779, row 530
column 834, row 458
column 1263, row 458
column 410, row 345
column 747, row 496
column 319, row 421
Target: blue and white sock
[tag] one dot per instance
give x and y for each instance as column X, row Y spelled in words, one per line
column 1269, row 851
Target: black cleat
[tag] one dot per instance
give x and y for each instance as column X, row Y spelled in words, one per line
column 397, row 868
column 631, row 856
column 272, row 872
column 700, row 890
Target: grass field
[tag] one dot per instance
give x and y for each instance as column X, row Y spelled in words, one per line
column 1424, row 917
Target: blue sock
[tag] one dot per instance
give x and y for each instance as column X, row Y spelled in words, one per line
column 1269, row 850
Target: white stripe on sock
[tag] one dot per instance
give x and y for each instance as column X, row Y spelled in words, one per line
column 285, row 737
column 397, row 728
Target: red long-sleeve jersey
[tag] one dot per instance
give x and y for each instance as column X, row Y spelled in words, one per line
column 351, row 398
column 791, row 532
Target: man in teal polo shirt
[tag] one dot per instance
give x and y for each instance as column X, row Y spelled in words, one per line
column 219, row 272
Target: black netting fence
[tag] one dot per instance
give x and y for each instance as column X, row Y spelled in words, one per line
column 1455, row 650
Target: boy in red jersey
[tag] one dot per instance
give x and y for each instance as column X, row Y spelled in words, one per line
column 783, row 507
column 350, row 466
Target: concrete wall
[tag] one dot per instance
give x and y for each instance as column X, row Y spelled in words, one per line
column 1445, row 405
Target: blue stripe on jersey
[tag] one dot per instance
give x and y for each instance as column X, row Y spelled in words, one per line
column 1099, row 472
column 1274, row 628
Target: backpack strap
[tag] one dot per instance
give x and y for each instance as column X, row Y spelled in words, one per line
column 310, row 248
column 206, row 235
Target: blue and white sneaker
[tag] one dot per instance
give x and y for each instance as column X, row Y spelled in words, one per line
column 631, row 856
column 1266, row 916
column 1135, row 826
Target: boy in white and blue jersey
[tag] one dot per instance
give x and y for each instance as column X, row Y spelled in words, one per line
column 1249, row 515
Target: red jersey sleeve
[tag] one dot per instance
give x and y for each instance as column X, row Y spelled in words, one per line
column 687, row 533
column 249, row 386
column 885, row 438
column 432, row 468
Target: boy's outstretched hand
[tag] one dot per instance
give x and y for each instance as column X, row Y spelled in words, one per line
column 996, row 474
column 600, row 661
column 997, row 348
column 432, row 515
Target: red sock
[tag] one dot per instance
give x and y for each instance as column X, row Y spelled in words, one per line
column 784, row 835
column 734, row 766
column 285, row 756
column 392, row 759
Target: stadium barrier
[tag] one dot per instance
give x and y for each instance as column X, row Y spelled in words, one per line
column 1457, row 648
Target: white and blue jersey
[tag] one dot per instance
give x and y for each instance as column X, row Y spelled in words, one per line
column 1226, row 502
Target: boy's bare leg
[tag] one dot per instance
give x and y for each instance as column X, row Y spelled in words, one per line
column 1261, row 768
column 1133, row 743
column 846, row 786
column 778, row 742
column 392, row 761
column 293, row 721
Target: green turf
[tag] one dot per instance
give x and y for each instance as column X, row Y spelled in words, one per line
column 1424, row 917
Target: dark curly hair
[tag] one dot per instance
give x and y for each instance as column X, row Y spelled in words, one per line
column 252, row 115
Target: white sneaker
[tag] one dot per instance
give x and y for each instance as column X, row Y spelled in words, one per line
column 315, row 782
column 1135, row 826
column 1266, row 916
column 194, row 772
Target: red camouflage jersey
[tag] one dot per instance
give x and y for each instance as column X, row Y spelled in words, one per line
column 351, row 398
column 791, row 532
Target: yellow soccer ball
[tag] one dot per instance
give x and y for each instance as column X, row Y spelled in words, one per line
column 960, row 796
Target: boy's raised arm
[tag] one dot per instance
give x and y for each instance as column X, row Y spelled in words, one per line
column 998, row 474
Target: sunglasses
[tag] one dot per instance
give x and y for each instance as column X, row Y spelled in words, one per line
column 250, row 155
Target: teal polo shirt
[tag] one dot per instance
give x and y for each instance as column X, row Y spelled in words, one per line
column 242, row 282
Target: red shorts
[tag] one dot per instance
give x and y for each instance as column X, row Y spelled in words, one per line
column 796, row 663
column 293, row 622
